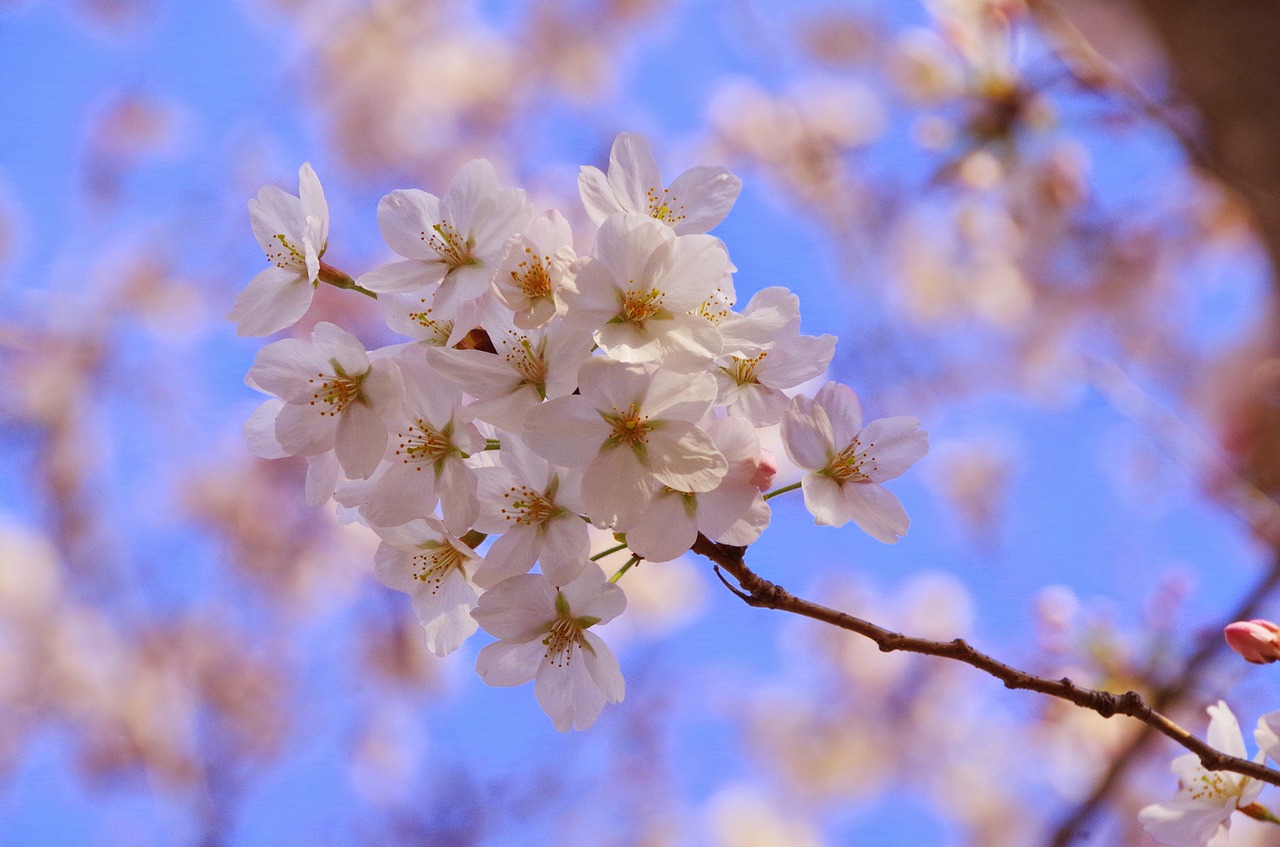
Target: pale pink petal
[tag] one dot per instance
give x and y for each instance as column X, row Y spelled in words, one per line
column 402, row 277
column 565, row 545
column 806, row 435
column 747, row 525
column 597, row 194
column 877, row 511
column 304, row 431
column 684, row 457
column 518, row 609
column 673, row 396
column 796, row 360
column 1224, row 731
column 892, row 445
column 706, row 195
column 504, row 663
column 616, row 488
column 513, row 554
column 260, row 431
column 276, row 214
column 825, row 500
column 274, row 299
column 567, row 692
column 687, row 269
column 285, row 367
column 592, row 594
column 475, row 183
column 335, row 344
column 843, row 410
column 633, row 172
column 360, row 440
column 665, row 530
column 445, row 613
column 311, row 195
column 406, row 218
column 401, row 494
column 322, row 478
column 1183, row 822
column 760, row 405
column 566, row 430
column 484, row 375
column 604, row 669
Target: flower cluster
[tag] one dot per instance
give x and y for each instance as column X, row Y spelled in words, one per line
column 540, row 389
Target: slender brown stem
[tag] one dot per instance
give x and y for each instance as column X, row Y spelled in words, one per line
column 1165, row 698
column 755, row 590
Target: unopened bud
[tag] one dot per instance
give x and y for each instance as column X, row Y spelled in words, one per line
column 762, row 479
column 1257, row 641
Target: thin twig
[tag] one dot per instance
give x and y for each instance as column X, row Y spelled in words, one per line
column 1164, row 698
column 757, row 591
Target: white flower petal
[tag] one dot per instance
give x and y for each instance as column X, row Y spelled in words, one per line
column 274, row 299
column 506, row 663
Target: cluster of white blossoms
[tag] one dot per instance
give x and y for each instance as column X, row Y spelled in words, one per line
column 539, row 390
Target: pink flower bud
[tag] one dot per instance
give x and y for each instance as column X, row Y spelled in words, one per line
column 1257, row 641
column 767, row 468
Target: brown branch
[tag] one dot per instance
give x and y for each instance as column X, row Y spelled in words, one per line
column 755, row 590
column 1093, row 72
column 1164, row 698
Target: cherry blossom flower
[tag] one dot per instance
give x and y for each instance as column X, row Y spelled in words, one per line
column 733, row 512
column 847, row 461
column 537, row 506
column 751, row 383
column 529, row 366
column 534, row 270
column 294, row 233
column 632, row 430
column 453, row 242
column 335, row 397
column 640, row 288
column 544, row 635
column 696, row 201
column 435, row 569
column 425, row 462
column 1199, row 815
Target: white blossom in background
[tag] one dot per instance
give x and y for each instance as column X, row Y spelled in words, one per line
column 544, row 635
column 335, row 397
column 294, row 233
column 696, row 201
column 1199, row 815
column 847, row 461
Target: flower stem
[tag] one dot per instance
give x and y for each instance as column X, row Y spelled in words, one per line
column 617, row 576
column 341, row 279
column 598, row 556
column 1259, row 812
column 783, row 490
